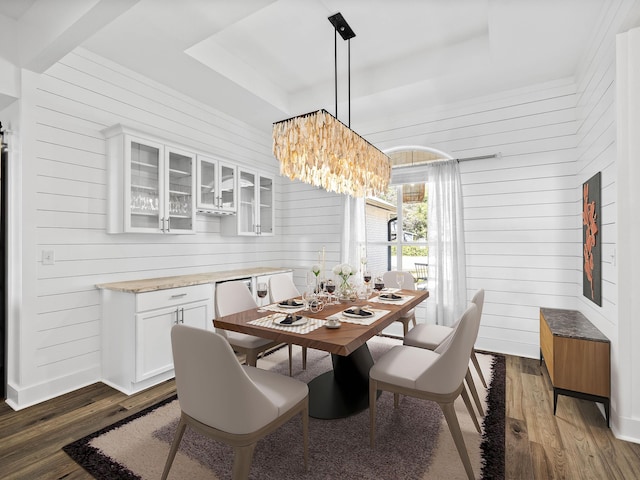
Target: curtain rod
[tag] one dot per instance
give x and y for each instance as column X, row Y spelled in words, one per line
column 464, row 159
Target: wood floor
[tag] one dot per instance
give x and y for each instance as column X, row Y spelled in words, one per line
column 575, row 444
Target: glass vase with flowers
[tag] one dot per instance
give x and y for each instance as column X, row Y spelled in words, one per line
column 344, row 271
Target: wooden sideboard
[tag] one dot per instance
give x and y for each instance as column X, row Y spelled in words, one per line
column 577, row 356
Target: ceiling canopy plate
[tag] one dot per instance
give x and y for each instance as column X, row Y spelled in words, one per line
column 341, row 25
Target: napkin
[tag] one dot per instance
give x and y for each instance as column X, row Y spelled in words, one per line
column 289, row 319
column 390, row 296
column 359, row 311
column 291, row 303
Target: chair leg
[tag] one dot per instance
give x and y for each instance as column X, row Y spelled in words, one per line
column 474, row 393
column 252, row 358
column 304, row 358
column 396, row 400
column 242, row 462
column 290, row 347
column 405, row 326
column 372, row 411
column 476, row 364
column 454, row 427
column 174, row 447
column 305, row 435
column 472, row 413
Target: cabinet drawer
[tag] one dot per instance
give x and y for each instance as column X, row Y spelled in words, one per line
column 172, row 296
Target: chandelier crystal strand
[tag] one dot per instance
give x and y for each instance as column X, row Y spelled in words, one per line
column 318, row 149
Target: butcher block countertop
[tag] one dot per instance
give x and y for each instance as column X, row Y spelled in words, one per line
column 162, row 283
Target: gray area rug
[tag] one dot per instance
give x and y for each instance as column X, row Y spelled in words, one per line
column 408, row 439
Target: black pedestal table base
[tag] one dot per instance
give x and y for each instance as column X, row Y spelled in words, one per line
column 344, row 391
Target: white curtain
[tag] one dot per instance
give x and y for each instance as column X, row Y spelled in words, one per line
column 447, row 281
column 353, row 231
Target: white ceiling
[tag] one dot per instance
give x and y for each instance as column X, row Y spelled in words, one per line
column 266, row 60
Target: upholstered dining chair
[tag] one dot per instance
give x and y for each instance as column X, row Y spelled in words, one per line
column 232, row 403
column 234, row 297
column 430, row 375
column 431, row 336
column 281, row 287
column 390, row 280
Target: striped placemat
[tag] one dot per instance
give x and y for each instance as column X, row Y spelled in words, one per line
column 268, row 321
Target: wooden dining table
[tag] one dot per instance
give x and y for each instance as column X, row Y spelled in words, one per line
column 343, row 391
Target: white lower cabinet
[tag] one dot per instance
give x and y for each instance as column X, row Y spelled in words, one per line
column 136, row 340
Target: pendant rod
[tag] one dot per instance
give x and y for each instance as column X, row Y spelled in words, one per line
column 349, row 80
column 335, row 67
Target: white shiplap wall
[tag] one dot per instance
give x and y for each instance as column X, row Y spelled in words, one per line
column 521, row 223
column 65, row 203
column 598, row 151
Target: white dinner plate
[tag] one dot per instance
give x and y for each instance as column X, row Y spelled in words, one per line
column 297, row 323
column 354, row 315
column 389, row 299
column 298, row 305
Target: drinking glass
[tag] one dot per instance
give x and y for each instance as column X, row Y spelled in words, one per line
column 262, row 291
column 378, row 284
column 400, row 279
column 331, row 287
column 311, row 282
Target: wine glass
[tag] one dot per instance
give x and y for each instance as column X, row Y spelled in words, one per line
column 262, row 291
column 378, row 284
column 400, row 279
column 330, row 285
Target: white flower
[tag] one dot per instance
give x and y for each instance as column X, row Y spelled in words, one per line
column 346, row 269
column 363, row 260
column 316, row 269
column 337, row 270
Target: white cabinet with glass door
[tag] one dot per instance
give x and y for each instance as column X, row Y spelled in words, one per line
column 151, row 185
column 216, row 185
column 255, row 214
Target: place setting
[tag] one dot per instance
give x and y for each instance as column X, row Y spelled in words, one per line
column 390, row 296
column 291, row 305
column 365, row 315
column 291, row 322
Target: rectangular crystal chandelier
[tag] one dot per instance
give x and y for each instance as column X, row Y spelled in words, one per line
column 319, row 149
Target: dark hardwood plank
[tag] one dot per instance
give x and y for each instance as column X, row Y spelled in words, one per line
column 519, row 464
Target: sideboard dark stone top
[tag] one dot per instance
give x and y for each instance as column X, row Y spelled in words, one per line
column 571, row 324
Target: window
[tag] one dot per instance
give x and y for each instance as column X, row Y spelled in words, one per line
column 397, row 231
column 397, row 222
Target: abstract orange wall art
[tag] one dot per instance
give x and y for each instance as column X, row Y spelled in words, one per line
column 591, row 241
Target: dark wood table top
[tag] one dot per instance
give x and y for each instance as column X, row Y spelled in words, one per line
column 341, row 341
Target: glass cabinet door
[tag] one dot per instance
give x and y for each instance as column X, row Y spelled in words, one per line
column 247, row 204
column 227, row 189
column 216, row 186
column 180, row 180
column 207, row 185
column 145, row 202
column 266, row 206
